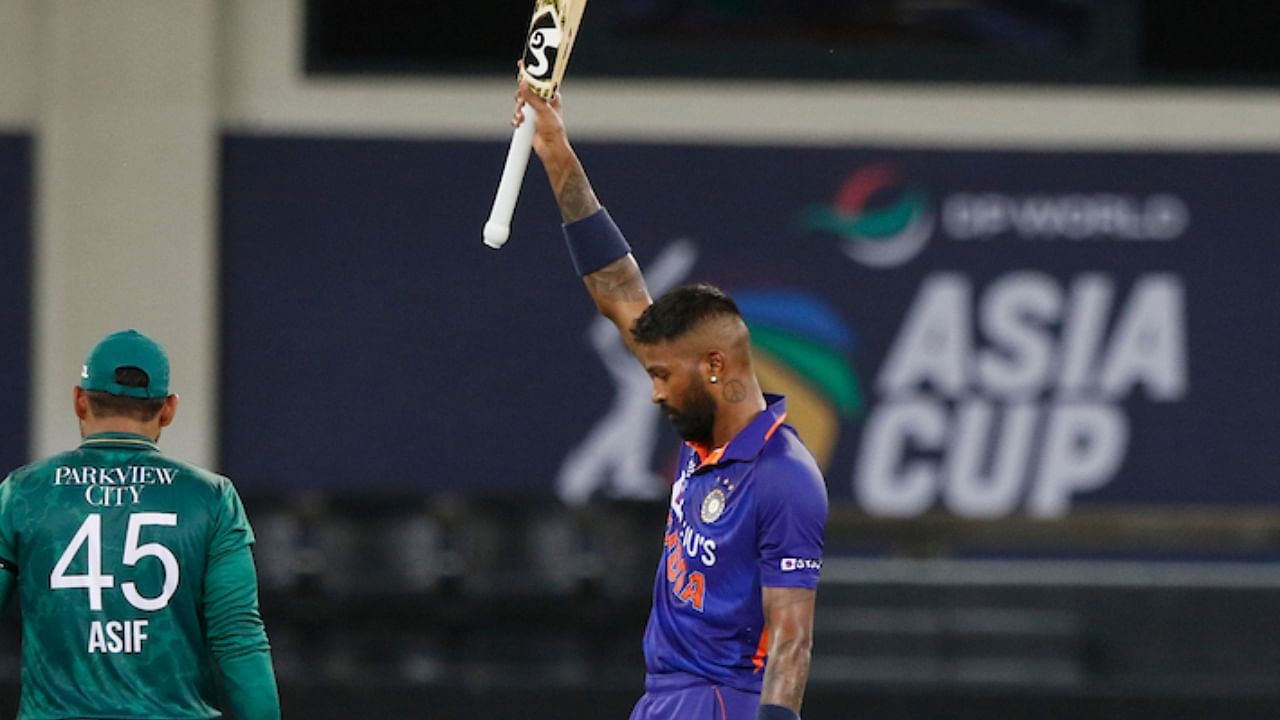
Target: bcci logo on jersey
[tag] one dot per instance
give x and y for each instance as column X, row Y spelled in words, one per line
column 713, row 506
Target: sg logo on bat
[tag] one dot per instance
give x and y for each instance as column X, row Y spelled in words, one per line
column 542, row 49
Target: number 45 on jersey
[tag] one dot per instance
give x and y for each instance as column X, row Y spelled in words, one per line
column 117, row 636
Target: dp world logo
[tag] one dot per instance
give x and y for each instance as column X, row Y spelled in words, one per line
column 882, row 222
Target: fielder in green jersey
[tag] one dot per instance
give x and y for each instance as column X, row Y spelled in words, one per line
column 134, row 572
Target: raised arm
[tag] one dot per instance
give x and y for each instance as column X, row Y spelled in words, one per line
column 616, row 286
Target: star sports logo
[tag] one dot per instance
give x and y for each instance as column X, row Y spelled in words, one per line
column 883, row 223
column 793, row 564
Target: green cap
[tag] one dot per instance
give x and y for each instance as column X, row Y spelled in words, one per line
column 126, row 349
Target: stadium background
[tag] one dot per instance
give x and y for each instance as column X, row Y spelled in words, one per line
column 1020, row 283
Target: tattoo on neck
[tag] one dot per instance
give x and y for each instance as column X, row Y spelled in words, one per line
column 734, row 391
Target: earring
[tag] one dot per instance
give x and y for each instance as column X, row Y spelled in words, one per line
column 714, row 379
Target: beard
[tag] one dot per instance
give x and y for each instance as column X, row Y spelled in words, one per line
column 696, row 421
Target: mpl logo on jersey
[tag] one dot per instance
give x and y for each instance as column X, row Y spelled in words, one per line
column 885, row 220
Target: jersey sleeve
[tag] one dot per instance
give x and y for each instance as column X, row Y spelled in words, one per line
column 791, row 517
column 8, row 545
column 235, row 633
column 8, row 539
column 231, row 529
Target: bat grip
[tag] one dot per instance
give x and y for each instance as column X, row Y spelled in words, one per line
column 498, row 228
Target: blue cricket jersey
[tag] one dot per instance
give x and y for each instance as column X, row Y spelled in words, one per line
column 748, row 515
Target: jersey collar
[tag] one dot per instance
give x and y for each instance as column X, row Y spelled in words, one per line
column 119, row 440
column 749, row 441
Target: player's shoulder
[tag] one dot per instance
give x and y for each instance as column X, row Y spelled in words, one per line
column 784, row 452
column 196, row 475
column 785, row 467
column 36, row 469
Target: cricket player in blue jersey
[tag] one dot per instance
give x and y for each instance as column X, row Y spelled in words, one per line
column 731, row 629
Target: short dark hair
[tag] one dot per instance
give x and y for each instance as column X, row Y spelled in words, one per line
column 679, row 311
column 105, row 404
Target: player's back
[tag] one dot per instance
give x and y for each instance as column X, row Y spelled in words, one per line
column 111, row 543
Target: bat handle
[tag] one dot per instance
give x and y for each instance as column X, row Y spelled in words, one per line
column 498, row 228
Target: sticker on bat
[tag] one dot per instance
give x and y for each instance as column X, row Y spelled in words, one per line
column 542, row 46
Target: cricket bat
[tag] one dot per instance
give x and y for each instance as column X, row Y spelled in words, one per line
column 552, row 31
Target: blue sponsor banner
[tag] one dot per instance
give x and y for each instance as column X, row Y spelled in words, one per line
column 15, row 295
column 981, row 333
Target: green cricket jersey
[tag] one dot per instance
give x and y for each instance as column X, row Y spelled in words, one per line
column 137, row 587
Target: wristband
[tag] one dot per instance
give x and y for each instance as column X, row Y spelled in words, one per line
column 776, row 712
column 594, row 242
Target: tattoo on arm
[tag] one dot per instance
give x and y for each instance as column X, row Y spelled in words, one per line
column 789, row 614
column 620, row 294
column 618, row 288
column 785, row 677
column 620, row 280
column 574, row 194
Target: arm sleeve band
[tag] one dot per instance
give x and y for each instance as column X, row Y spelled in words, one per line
column 775, row 712
column 594, row 242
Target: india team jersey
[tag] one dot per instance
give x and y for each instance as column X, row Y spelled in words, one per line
column 111, row 543
column 749, row 515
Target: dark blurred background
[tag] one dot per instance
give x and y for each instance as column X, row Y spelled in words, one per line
column 983, row 41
